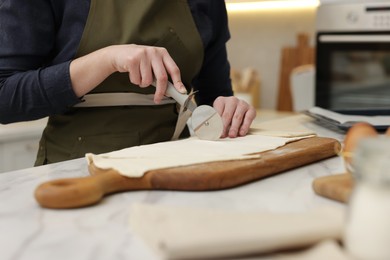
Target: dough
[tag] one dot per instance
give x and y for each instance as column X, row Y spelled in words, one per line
column 136, row 161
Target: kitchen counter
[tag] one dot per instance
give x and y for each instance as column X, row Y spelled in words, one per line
column 28, row 231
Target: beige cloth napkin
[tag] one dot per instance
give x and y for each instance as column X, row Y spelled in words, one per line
column 187, row 233
column 328, row 249
column 292, row 126
column 325, row 250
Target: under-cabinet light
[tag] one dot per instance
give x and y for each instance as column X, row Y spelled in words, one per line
column 269, row 5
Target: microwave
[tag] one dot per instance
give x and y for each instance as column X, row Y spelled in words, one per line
column 353, row 58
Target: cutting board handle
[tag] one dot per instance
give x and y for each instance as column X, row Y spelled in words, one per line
column 74, row 192
column 84, row 191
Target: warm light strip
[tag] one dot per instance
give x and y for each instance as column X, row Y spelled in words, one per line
column 269, row 5
column 354, row 38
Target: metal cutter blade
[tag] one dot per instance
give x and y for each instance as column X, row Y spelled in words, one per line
column 206, row 123
column 205, row 120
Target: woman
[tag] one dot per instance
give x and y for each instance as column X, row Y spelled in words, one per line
column 72, row 60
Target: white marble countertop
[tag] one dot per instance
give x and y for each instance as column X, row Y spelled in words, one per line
column 28, row 231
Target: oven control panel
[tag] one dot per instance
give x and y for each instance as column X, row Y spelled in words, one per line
column 374, row 16
column 381, row 20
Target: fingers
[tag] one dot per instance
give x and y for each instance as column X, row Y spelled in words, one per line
column 146, row 63
column 146, row 73
column 250, row 115
column 161, row 77
column 163, row 67
column 237, row 116
column 174, row 72
column 133, row 67
column 237, row 119
column 219, row 106
column 226, row 106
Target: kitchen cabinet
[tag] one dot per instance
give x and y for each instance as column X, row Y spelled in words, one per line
column 16, row 155
column 19, row 144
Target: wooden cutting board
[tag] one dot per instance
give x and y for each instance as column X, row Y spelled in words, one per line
column 80, row 192
column 336, row 187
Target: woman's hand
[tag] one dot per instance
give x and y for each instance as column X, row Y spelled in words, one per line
column 146, row 63
column 142, row 63
column 237, row 116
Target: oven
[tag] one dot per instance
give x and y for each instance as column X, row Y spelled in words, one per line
column 353, row 58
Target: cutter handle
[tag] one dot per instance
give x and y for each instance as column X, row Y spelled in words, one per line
column 174, row 93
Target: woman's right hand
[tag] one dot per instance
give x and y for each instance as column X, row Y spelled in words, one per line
column 143, row 63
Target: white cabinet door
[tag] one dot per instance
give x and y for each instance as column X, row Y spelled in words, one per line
column 18, row 154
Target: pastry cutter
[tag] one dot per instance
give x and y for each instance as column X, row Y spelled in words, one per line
column 205, row 120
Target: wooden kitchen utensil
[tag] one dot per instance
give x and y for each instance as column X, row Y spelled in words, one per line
column 339, row 187
column 336, row 187
column 79, row 192
column 246, row 83
column 292, row 57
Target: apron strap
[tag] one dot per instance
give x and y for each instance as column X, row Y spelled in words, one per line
column 134, row 99
column 121, row 99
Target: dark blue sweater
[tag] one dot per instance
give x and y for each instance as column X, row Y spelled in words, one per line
column 39, row 38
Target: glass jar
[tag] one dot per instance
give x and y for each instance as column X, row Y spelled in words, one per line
column 367, row 230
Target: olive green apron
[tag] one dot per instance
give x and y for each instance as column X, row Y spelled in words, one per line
column 164, row 23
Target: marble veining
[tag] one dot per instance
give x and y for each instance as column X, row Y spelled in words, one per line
column 29, row 232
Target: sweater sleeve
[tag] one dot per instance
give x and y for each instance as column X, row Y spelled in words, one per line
column 213, row 79
column 31, row 86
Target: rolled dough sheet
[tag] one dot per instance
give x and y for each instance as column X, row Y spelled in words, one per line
column 292, row 126
column 136, row 161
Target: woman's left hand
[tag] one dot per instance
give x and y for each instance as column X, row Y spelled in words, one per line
column 237, row 116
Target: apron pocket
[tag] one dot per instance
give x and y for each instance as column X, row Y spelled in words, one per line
column 104, row 143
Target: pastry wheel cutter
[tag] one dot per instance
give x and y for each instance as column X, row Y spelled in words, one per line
column 205, row 120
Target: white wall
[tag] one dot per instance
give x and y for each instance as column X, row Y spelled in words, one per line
column 257, row 40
